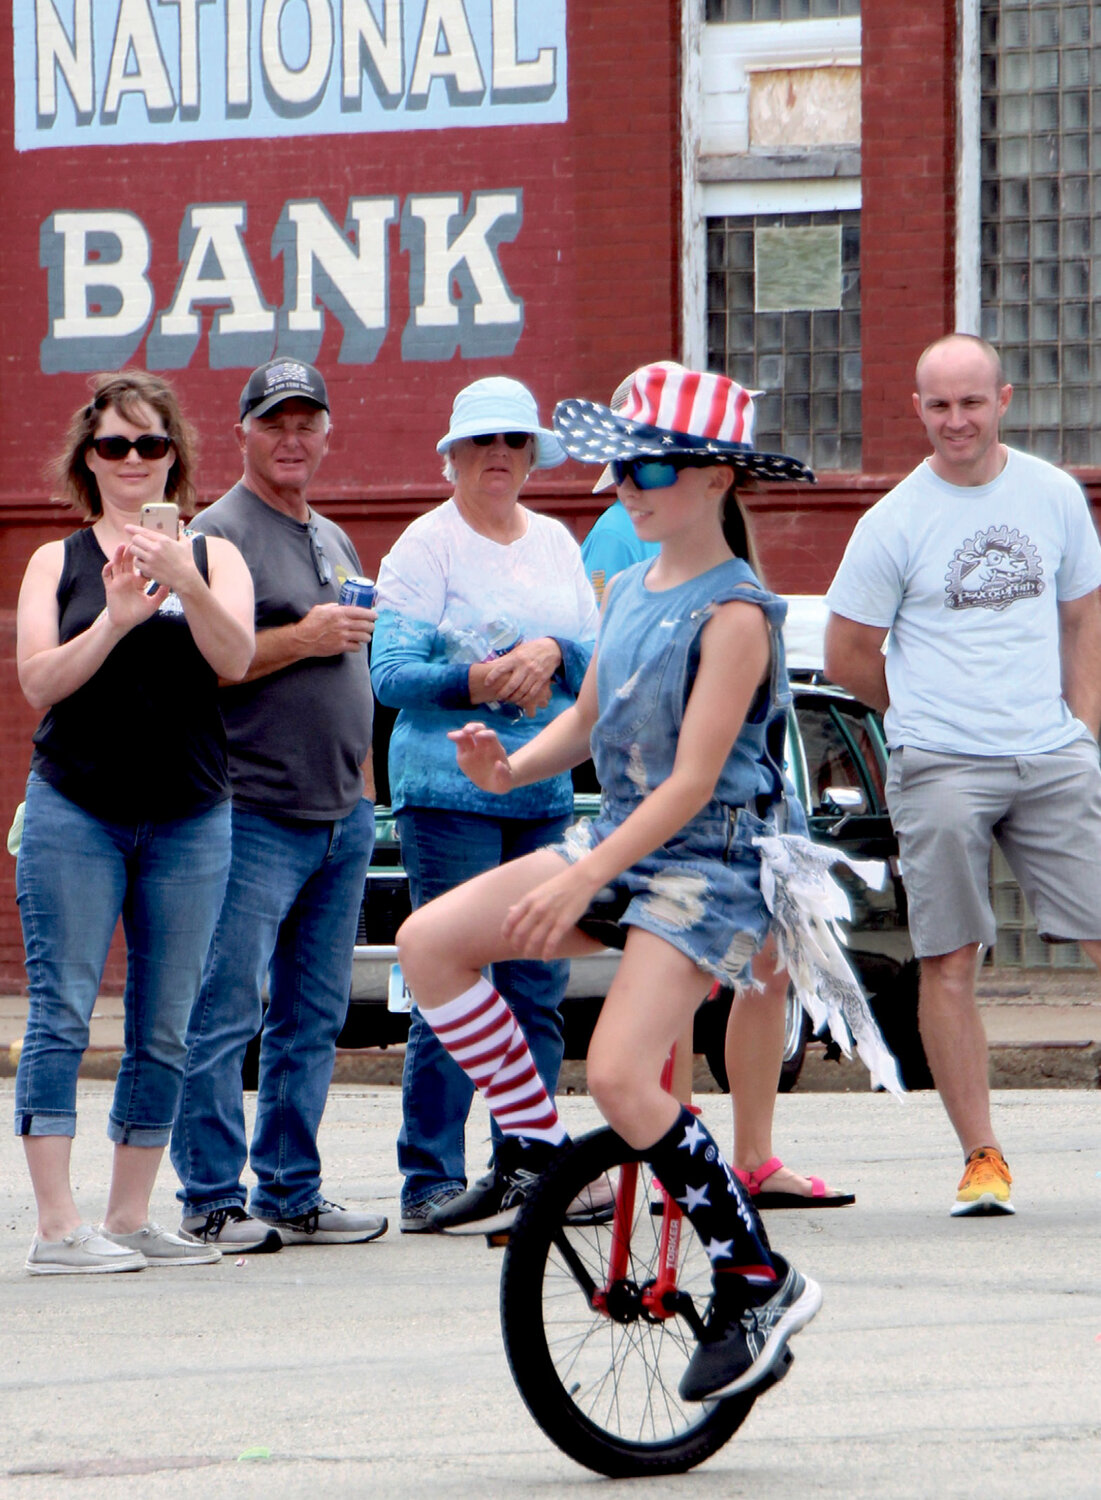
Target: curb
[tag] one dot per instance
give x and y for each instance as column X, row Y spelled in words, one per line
column 1018, row 1065
column 1013, row 1065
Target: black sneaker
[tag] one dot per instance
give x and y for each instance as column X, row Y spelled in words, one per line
column 234, row 1231
column 745, row 1345
column 492, row 1204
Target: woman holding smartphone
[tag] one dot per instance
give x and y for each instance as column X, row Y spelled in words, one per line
column 123, row 632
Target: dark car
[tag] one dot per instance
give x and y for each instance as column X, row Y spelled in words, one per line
column 837, row 761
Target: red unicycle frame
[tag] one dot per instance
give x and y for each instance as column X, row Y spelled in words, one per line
column 659, row 1297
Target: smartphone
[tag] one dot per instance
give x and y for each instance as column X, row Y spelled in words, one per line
column 164, row 516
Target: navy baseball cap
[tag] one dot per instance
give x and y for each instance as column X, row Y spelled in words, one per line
column 280, row 380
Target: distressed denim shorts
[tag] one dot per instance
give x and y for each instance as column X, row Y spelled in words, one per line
column 701, row 891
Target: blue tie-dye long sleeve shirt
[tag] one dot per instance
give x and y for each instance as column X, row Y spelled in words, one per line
column 443, row 592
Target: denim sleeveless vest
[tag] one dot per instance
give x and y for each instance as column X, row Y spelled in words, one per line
column 647, row 657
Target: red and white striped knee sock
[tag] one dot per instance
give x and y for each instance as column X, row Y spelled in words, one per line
column 482, row 1035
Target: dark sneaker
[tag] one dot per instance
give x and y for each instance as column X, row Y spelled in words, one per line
column 492, row 1204
column 745, row 1345
column 234, row 1231
column 416, row 1219
column 330, row 1224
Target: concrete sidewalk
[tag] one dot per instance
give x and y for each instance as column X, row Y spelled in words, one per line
column 1044, row 1027
column 951, row 1358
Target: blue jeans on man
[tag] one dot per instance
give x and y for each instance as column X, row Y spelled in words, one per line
column 440, row 849
column 289, row 919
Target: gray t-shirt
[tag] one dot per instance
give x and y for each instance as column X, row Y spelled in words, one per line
column 297, row 737
column 969, row 581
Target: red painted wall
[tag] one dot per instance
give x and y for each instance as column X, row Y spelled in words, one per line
column 595, row 261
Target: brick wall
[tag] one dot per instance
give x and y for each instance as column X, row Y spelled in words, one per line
column 596, row 262
column 907, row 265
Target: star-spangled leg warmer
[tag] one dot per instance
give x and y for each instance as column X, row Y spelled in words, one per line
column 482, row 1035
column 691, row 1167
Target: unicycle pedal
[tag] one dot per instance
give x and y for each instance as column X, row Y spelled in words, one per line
column 498, row 1239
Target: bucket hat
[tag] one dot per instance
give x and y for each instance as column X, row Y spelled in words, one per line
column 672, row 412
column 498, row 404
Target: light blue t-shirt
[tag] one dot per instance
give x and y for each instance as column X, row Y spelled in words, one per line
column 968, row 581
column 612, row 545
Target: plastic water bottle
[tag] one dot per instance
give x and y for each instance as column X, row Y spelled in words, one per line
column 500, row 636
column 461, row 645
column 503, row 636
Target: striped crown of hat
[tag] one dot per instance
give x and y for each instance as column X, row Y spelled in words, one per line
column 668, row 410
column 690, row 402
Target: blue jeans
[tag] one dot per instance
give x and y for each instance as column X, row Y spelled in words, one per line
column 440, row 849
column 75, row 877
column 289, row 918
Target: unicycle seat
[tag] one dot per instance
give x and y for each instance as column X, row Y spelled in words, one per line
column 601, row 919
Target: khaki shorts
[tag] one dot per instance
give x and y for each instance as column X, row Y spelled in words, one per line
column 1043, row 810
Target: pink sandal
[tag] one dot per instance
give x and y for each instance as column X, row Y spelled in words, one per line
column 755, row 1177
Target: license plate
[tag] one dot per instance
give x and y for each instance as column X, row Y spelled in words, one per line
column 399, row 997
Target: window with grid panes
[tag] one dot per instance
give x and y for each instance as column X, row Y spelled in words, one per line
column 1041, row 220
column 778, row 10
column 783, row 317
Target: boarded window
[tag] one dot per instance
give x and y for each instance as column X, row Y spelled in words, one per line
column 783, row 317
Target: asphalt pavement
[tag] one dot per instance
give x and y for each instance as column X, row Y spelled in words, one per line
column 951, row 1357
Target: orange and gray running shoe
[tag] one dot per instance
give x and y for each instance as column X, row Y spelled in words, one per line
column 984, row 1186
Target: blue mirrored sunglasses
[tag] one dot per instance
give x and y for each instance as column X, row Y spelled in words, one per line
column 654, row 473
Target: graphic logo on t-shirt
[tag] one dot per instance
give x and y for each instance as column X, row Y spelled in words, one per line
column 993, row 569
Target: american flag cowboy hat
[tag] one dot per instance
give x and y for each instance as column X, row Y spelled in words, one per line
column 669, row 411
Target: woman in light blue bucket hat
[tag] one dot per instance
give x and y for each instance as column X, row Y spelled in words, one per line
column 499, row 404
column 485, row 605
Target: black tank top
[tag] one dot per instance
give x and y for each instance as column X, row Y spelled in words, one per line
column 142, row 740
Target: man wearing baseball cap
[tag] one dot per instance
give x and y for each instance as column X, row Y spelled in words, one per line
column 299, row 730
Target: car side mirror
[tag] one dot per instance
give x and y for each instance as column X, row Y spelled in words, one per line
column 843, row 798
column 846, row 800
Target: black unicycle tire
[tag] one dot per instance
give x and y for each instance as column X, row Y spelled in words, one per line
column 605, row 1390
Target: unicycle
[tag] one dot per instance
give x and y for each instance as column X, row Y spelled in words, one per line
column 600, row 1318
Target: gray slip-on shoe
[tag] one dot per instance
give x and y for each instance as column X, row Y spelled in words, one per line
column 83, row 1251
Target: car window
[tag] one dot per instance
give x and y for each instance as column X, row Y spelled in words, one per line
column 830, row 757
column 855, row 719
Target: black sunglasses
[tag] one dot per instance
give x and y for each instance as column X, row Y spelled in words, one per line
column 114, row 449
column 322, row 566
column 512, row 439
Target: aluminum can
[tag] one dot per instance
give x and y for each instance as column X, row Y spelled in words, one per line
column 360, row 591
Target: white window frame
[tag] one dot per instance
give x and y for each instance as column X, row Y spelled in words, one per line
column 716, row 59
column 968, row 169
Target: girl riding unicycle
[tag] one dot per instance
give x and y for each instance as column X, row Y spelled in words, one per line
column 683, row 708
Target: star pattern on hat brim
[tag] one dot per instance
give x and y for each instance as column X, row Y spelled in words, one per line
column 595, row 434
